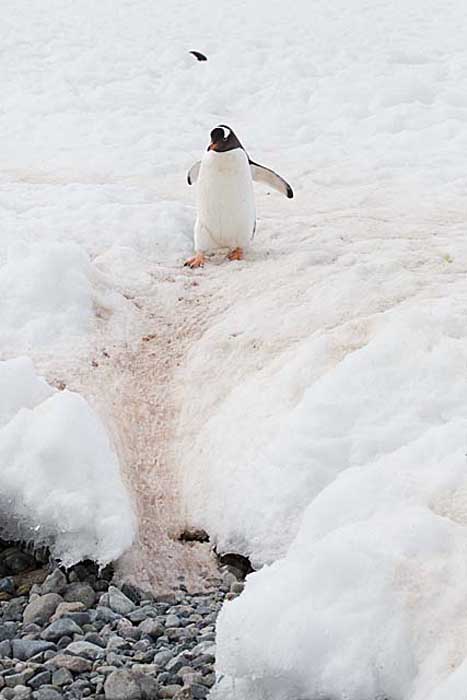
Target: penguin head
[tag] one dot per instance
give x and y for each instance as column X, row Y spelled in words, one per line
column 223, row 139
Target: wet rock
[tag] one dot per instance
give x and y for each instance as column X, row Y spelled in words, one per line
column 16, row 561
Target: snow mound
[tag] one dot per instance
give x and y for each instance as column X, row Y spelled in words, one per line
column 60, row 478
column 376, row 447
column 47, row 294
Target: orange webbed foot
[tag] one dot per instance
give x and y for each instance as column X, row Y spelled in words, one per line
column 236, row 254
column 197, row 261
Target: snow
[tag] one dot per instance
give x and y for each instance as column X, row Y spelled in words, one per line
column 317, row 388
column 39, row 302
column 61, row 483
column 377, row 567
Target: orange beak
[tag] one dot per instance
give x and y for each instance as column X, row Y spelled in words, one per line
column 212, row 147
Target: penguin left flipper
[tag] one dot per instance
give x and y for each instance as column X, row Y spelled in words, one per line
column 193, row 173
column 268, row 177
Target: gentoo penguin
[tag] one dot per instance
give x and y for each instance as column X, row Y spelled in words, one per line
column 226, row 217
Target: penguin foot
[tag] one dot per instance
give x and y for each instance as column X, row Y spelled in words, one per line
column 197, row 261
column 235, row 254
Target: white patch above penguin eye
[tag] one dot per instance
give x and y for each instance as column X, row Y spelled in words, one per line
column 226, row 132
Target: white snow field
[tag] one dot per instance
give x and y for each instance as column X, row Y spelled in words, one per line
column 306, row 406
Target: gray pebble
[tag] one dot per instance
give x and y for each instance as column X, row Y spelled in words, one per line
column 60, row 628
column 106, row 614
column 64, row 642
column 152, row 628
column 163, row 657
column 169, row 691
column 8, row 630
column 115, row 643
column 47, row 692
column 19, row 678
column 130, row 685
column 40, row 609
column 81, row 618
column 81, row 593
column 95, row 638
column 55, row 583
column 17, row 561
column 62, row 677
column 7, row 585
column 5, row 649
column 85, row 649
column 13, row 610
column 119, row 602
column 24, row 649
column 172, row 621
column 8, row 693
column 42, row 678
column 75, row 664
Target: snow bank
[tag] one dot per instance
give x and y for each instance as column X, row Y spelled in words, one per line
column 47, row 295
column 369, row 600
column 60, row 479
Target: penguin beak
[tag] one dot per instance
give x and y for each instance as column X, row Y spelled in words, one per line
column 212, row 146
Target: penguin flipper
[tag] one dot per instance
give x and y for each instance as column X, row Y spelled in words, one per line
column 268, row 177
column 193, row 173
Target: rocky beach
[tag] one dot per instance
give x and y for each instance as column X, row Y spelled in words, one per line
column 76, row 634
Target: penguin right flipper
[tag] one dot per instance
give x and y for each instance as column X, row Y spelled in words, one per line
column 268, row 177
column 193, row 173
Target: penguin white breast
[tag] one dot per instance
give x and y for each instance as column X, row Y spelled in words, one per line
column 225, row 200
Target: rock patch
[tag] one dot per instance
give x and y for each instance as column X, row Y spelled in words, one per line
column 78, row 635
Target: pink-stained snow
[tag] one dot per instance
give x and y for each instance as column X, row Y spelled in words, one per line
column 305, row 406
